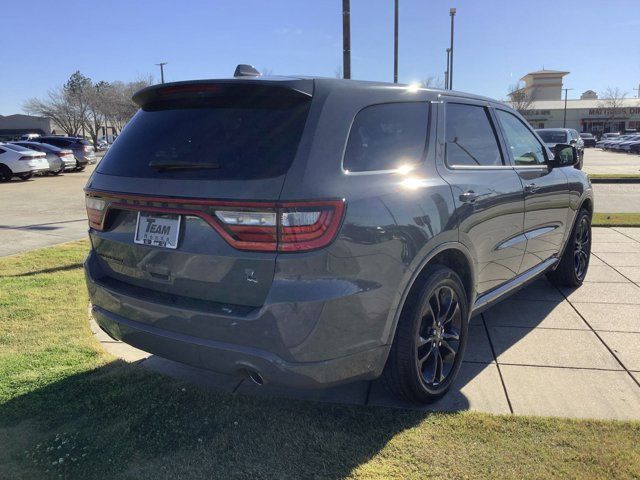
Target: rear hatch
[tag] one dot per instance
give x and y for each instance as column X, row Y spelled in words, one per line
column 183, row 206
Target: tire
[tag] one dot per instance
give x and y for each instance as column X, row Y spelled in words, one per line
column 25, row 176
column 58, row 172
column 5, row 173
column 80, row 169
column 574, row 263
column 433, row 326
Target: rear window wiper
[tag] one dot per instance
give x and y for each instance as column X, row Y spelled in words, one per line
column 162, row 165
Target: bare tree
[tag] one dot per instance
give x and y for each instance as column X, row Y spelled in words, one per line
column 519, row 99
column 58, row 108
column 432, row 82
column 612, row 102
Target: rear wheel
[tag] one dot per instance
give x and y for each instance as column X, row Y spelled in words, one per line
column 5, row 173
column 575, row 260
column 430, row 339
column 80, row 169
column 25, row 176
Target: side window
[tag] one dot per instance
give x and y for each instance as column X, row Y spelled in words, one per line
column 387, row 136
column 2, row 150
column 524, row 146
column 470, row 136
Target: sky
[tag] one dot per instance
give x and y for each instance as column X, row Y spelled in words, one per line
column 496, row 41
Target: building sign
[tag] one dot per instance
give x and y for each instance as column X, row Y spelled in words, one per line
column 537, row 113
column 619, row 112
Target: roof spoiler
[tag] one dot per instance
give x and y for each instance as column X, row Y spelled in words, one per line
column 240, row 88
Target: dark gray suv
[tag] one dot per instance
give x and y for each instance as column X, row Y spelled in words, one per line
column 310, row 232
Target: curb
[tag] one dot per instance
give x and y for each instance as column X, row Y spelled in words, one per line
column 614, row 180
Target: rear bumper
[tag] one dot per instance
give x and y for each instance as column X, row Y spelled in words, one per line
column 207, row 338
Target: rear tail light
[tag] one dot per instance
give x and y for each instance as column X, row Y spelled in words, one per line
column 96, row 209
column 252, row 226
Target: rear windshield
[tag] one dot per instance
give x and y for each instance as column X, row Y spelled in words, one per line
column 223, row 139
column 586, row 135
column 17, row 148
column 550, row 136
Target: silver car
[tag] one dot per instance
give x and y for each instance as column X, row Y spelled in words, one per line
column 59, row 159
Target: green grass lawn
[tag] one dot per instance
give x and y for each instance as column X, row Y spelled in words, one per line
column 616, row 220
column 69, row 410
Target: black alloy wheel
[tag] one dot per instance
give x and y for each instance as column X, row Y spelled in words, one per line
column 438, row 338
column 582, row 247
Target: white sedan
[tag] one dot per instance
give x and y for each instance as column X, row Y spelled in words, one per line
column 22, row 164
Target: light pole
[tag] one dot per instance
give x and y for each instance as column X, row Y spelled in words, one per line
column 564, row 121
column 452, row 14
column 395, row 44
column 346, row 39
column 446, row 72
column 161, row 65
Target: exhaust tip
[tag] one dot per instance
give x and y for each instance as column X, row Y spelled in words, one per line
column 255, row 377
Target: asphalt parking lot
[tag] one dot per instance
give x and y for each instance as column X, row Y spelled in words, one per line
column 597, row 161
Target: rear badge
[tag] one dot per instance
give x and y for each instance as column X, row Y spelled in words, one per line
column 251, row 275
column 157, row 230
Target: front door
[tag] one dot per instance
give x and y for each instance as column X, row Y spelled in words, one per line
column 486, row 190
column 546, row 192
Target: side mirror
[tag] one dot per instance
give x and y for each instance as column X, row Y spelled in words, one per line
column 563, row 156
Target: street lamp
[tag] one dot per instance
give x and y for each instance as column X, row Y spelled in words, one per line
column 161, row 65
column 395, row 44
column 446, row 72
column 564, row 121
column 452, row 14
column 346, row 39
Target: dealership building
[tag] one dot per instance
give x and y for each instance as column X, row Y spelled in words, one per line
column 588, row 114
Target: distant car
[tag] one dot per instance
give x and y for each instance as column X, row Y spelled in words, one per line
column 567, row 136
column 588, row 139
column 625, row 145
column 59, row 159
column 608, row 144
column 21, row 164
column 82, row 148
column 29, row 136
column 609, row 136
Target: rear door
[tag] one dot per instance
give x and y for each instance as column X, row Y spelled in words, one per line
column 486, row 190
column 546, row 193
column 208, row 161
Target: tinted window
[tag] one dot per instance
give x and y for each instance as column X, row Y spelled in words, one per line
column 586, row 135
column 525, row 147
column 235, row 140
column 59, row 142
column 553, row 136
column 387, row 136
column 470, row 137
column 2, row 150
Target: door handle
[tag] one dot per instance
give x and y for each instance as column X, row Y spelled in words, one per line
column 531, row 188
column 468, row 197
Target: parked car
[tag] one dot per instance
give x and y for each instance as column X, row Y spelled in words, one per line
column 611, row 135
column 21, row 163
column 588, row 139
column 625, row 145
column 82, row 148
column 326, row 236
column 554, row 136
column 611, row 141
column 58, row 158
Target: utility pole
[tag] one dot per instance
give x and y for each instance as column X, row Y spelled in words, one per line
column 395, row 44
column 564, row 121
column 446, row 72
column 452, row 14
column 346, row 39
column 638, row 90
column 161, row 65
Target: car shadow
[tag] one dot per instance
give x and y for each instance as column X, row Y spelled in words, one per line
column 123, row 420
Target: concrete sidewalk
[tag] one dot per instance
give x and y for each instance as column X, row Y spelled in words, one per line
column 545, row 351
